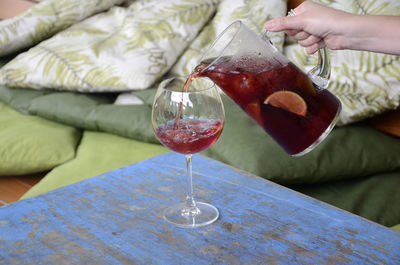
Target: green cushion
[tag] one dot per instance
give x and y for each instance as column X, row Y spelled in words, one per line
column 374, row 197
column 86, row 111
column 97, row 153
column 396, row 228
column 21, row 99
column 348, row 152
column 30, row 144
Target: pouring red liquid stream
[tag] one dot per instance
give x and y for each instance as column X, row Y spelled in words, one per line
column 189, row 136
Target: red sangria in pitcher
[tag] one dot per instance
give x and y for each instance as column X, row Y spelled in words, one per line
column 291, row 106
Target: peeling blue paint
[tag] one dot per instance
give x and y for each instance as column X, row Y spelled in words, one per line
column 116, row 218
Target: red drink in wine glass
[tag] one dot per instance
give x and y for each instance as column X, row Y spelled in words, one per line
column 188, row 117
column 190, row 136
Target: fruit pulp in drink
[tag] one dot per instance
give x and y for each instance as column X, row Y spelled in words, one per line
column 189, row 136
column 279, row 97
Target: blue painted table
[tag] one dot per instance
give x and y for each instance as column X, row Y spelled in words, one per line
column 116, row 218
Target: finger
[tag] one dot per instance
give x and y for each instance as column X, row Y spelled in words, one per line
column 312, row 49
column 301, row 8
column 301, row 35
column 315, row 47
column 284, row 23
column 309, row 41
column 291, row 32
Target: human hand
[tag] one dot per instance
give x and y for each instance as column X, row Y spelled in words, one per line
column 314, row 26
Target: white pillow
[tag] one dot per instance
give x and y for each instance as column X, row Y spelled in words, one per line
column 122, row 49
column 252, row 13
column 44, row 19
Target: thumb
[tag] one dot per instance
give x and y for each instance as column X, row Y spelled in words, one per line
column 283, row 23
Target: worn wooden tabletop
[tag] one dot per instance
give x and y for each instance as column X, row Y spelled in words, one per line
column 116, row 218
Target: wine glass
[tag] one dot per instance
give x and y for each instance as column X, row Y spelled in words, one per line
column 188, row 117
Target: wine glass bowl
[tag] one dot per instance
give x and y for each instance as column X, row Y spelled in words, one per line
column 188, row 118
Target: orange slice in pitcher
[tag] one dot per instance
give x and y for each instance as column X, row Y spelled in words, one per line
column 289, row 101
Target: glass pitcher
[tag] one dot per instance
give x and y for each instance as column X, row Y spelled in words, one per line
column 290, row 105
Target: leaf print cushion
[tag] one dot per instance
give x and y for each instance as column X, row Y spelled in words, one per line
column 126, row 48
column 366, row 83
column 252, row 13
column 45, row 19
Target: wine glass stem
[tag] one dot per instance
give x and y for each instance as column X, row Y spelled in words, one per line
column 190, row 203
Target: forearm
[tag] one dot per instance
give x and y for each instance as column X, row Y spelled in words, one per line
column 315, row 25
column 373, row 33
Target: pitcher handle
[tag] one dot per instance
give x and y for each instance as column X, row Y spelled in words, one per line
column 321, row 73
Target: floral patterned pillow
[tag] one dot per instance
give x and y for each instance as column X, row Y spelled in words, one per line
column 366, row 83
column 252, row 13
column 45, row 19
column 125, row 48
column 132, row 47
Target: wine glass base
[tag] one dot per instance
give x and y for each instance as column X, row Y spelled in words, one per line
column 182, row 216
